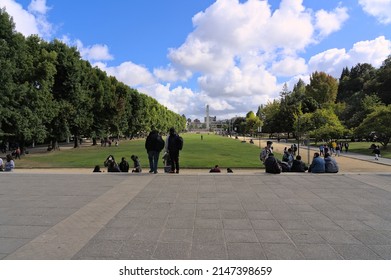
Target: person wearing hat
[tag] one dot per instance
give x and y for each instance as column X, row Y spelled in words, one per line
column 266, row 151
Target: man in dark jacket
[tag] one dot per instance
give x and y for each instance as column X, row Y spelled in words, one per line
column 298, row 165
column 173, row 145
column 154, row 145
column 272, row 165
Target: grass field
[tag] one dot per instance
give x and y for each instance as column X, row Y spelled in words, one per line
column 363, row 148
column 196, row 153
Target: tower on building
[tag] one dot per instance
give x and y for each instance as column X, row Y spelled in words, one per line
column 207, row 117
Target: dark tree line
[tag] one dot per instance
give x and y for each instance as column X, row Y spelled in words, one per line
column 48, row 93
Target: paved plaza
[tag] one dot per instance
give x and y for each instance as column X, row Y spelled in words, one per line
column 195, row 216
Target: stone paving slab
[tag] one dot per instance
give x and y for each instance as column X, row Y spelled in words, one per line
column 195, row 216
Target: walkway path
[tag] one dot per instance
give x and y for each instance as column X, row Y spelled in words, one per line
column 195, row 216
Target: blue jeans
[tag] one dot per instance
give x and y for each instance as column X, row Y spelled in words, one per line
column 153, row 157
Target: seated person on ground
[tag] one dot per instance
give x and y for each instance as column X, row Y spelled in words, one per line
column 331, row 165
column 124, row 165
column 215, row 169
column 97, row 169
column 111, row 165
column 298, row 165
column 272, row 165
column 317, row 165
column 136, row 164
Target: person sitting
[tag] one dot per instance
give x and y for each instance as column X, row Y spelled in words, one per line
column 136, row 164
column 9, row 164
column 124, row 165
column 215, row 169
column 97, row 169
column 272, row 165
column 317, row 165
column 111, row 165
column 331, row 165
column 298, row 165
column 229, row 170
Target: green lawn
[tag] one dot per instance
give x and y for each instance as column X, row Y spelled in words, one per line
column 363, row 148
column 196, row 153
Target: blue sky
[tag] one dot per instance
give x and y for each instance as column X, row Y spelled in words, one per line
column 233, row 55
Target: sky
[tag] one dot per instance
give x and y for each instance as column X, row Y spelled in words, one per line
column 233, row 55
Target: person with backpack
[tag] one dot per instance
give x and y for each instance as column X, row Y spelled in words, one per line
column 174, row 144
column 154, row 144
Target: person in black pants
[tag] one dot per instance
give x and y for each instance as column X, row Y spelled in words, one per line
column 174, row 144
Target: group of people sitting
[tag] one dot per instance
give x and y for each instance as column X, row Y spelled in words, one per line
column 123, row 166
column 318, row 165
column 217, row 169
column 291, row 164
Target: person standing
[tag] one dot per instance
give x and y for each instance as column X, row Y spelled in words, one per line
column 154, row 144
column 174, row 144
column 376, row 151
column 1, row 164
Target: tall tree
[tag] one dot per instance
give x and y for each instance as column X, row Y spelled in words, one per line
column 323, row 88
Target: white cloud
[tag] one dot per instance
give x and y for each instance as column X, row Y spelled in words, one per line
column 129, row 73
column 329, row 22
column 38, row 6
column 289, row 66
column 381, row 9
column 333, row 61
column 95, row 52
column 31, row 21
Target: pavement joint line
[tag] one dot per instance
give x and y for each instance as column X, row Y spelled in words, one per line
column 66, row 238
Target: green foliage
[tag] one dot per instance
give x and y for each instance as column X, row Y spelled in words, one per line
column 323, row 124
column 48, row 93
column 377, row 123
column 323, row 88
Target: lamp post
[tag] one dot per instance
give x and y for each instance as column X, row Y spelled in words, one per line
column 298, row 135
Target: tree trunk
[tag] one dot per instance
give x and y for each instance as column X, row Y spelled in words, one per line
column 76, row 142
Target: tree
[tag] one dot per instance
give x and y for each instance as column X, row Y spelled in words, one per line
column 323, row 88
column 354, row 81
column 252, row 122
column 381, row 84
column 323, row 124
column 378, row 123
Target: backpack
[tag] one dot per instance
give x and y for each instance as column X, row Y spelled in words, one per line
column 180, row 142
column 160, row 143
